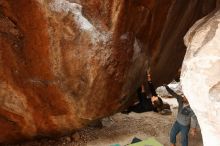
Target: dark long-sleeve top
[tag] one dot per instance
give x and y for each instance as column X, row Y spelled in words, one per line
column 146, row 103
column 185, row 113
column 152, row 89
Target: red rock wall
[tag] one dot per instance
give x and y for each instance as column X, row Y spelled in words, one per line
column 66, row 63
column 169, row 52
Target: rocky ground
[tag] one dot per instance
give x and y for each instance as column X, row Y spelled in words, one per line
column 121, row 128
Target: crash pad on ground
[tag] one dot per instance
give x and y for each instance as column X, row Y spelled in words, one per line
column 115, row 145
column 149, row 142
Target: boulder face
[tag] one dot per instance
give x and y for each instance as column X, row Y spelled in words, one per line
column 201, row 70
column 65, row 63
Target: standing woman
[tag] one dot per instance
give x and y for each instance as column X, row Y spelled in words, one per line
column 183, row 120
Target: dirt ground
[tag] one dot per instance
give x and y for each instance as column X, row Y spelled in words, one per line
column 121, row 129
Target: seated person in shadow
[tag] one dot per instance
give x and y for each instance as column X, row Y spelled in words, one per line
column 146, row 103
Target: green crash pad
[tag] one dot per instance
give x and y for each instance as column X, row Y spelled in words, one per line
column 115, row 145
column 149, row 142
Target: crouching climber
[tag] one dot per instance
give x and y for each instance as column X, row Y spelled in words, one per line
column 183, row 120
column 146, row 103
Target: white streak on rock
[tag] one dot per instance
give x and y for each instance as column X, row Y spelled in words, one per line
column 76, row 9
column 137, row 50
column 124, row 36
column 82, row 22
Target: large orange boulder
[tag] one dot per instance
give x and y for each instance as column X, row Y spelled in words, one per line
column 65, row 63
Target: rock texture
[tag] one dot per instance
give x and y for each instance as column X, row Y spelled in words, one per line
column 65, row 63
column 201, row 75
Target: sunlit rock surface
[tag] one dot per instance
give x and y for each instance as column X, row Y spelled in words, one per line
column 201, row 75
column 66, row 63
